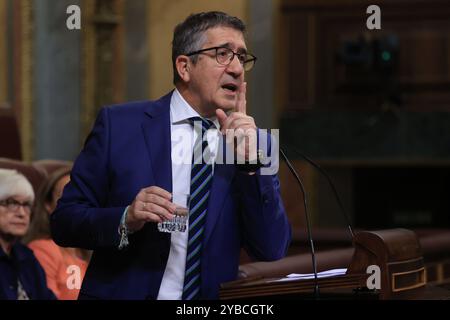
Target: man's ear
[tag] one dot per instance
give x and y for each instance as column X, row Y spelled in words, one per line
column 182, row 64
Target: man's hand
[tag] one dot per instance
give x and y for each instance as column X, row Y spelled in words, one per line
column 240, row 126
column 151, row 204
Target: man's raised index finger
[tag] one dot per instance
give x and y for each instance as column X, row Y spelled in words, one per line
column 241, row 104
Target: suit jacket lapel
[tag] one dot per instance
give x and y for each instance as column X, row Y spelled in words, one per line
column 156, row 129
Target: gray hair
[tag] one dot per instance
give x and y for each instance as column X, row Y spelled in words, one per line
column 189, row 35
column 13, row 183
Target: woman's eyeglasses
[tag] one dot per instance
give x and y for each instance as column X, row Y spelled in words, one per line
column 14, row 205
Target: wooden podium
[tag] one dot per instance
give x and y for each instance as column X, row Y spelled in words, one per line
column 396, row 252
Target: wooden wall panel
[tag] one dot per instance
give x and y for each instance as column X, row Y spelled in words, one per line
column 297, row 58
column 423, row 75
column 3, row 53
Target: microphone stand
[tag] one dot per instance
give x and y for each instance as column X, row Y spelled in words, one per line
column 333, row 188
column 308, row 225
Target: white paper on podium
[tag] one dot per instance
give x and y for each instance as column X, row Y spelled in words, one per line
column 323, row 274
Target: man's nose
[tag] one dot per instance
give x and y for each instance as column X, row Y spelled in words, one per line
column 235, row 67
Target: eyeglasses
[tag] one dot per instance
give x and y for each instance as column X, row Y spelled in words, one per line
column 14, row 205
column 225, row 55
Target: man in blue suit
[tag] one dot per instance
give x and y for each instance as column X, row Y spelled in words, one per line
column 126, row 179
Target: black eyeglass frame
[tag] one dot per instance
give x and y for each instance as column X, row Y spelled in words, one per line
column 243, row 63
column 14, row 205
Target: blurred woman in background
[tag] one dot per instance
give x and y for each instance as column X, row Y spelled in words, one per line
column 64, row 267
column 21, row 276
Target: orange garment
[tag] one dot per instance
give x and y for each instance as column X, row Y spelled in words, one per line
column 61, row 267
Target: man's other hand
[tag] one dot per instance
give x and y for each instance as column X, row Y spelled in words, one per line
column 152, row 204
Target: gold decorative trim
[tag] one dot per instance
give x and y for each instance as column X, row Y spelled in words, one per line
column 440, row 274
column 421, row 283
column 4, row 69
column 102, row 53
column 88, row 67
column 26, row 74
column 119, row 54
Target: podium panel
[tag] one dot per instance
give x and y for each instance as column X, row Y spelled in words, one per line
column 395, row 253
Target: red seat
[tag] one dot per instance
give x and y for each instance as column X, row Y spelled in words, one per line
column 35, row 175
column 10, row 145
column 50, row 165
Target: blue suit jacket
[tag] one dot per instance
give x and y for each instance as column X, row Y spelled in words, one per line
column 129, row 149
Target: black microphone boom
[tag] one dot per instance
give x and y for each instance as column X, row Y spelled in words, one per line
column 333, row 188
column 308, row 225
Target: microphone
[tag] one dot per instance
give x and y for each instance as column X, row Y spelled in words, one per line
column 333, row 187
column 308, row 225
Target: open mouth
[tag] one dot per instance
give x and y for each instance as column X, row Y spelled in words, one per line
column 230, row 87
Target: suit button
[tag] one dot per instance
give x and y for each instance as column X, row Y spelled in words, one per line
column 265, row 199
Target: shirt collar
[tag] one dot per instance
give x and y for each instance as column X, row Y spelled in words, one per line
column 181, row 111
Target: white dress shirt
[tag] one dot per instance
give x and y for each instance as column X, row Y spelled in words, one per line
column 183, row 137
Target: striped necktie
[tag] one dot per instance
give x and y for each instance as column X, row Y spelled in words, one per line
column 201, row 179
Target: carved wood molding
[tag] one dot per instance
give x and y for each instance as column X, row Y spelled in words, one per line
column 3, row 53
column 103, row 62
column 22, row 99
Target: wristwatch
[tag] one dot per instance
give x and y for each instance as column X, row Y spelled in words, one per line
column 253, row 167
